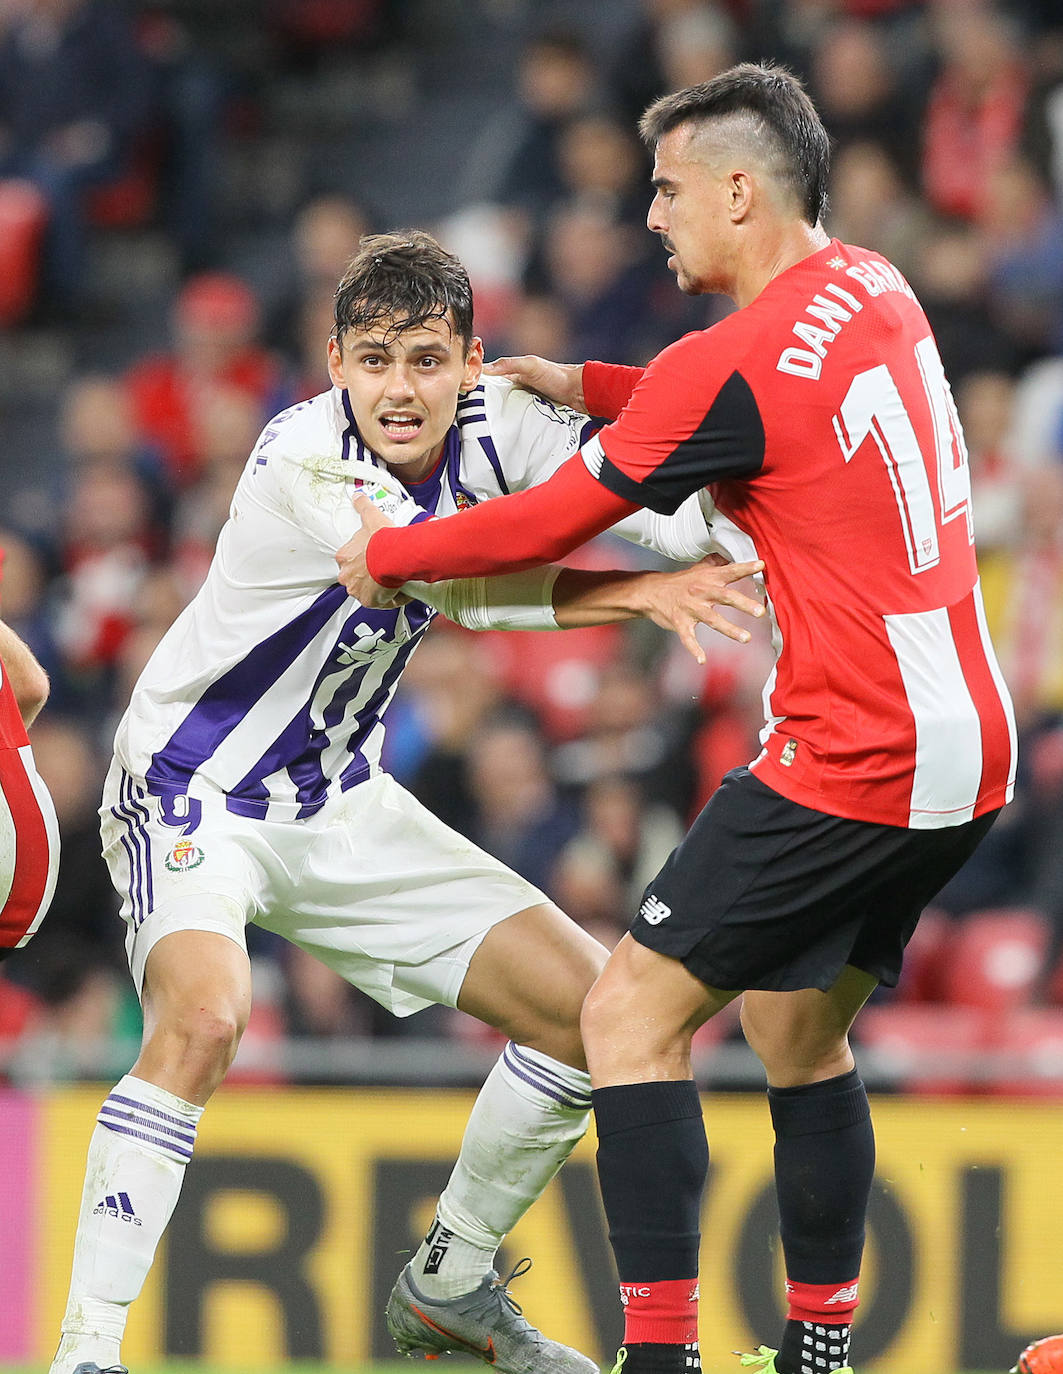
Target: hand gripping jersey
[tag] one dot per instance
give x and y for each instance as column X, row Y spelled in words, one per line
column 29, row 833
column 271, row 686
column 821, row 423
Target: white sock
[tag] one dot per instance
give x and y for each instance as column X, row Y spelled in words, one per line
column 137, row 1155
column 527, row 1118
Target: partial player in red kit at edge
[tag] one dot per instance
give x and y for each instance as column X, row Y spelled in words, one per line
column 819, row 424
column 29, row 832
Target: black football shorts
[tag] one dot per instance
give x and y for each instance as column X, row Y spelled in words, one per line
column 765, row 893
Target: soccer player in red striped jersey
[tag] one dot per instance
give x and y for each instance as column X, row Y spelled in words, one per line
column 29, row 832
column 818, row 421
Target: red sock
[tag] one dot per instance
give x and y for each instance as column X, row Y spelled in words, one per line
column 661, row 1313
column 829, row 1304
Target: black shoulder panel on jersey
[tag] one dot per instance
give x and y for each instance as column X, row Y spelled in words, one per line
column 729, row 442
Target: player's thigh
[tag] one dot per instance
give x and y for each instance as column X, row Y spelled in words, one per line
column 193, row 867
column 395, row 901
column 639, row 1017
column 192, row 974
column 802, row 1036
column 530, row 974
column 197, row 1000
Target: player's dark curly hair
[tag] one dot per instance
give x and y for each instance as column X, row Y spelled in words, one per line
column 783, row 120
column 405, row 278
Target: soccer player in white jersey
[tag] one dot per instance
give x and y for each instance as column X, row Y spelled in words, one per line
column 246, row 786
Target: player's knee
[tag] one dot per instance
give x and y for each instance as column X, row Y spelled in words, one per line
column 792, row 1052
column 603, row 1013
column 210, row 1036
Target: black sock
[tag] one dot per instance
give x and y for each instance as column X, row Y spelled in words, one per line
column 652, row 1162
column 662, row 1359
column 824, row 1166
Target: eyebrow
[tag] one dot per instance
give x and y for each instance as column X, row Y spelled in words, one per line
column 370, row 345
column 661, row 183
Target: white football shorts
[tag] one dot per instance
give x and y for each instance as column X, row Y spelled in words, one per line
column 376, row 886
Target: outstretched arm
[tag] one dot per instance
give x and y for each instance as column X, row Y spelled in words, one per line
column 509, row 534
column 678, row 601
column 568, row 598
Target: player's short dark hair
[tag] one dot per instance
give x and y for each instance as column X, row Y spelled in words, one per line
column 787, row 118
column 406, row 278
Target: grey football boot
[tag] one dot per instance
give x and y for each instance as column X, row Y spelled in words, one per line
column 90, row 1368
column 486, row 1323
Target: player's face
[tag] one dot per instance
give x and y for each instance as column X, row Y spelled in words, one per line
column 404, row 388
column 690, row 211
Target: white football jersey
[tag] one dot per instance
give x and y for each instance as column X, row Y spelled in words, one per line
column 271, row 686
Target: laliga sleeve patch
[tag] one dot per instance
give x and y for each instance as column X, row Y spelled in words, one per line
column 384, row 490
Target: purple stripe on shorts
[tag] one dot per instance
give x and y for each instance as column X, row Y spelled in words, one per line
column 131, row 844
column 133, row 856
column 137, row 806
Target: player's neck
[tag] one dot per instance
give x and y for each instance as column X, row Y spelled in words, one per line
column 418, row 469
column 784, row 250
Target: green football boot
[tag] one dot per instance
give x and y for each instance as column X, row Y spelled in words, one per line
column 764, row 1361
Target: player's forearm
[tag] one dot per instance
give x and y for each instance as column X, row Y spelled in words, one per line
column 29, row 681
column 607, row 388
column 584, row 597
column 507, row 535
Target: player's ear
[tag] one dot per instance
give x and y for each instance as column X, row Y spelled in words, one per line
column 474, row 364
column 335, row 363
column 740, row 195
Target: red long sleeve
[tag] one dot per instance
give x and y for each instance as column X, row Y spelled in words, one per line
column 506, row 535
column 607, row 388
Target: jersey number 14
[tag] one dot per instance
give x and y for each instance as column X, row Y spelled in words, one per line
column 874, row 408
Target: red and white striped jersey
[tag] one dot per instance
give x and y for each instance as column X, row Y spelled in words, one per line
column 29, row 832
column 821, row 422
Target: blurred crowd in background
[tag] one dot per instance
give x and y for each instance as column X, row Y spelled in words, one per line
column 181, row 186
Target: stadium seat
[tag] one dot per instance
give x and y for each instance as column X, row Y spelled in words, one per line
column 925, row 959
column 996, row 959
column 23, row 215
column 924, row 1048
column 1029, row 1041
column 19, row 1008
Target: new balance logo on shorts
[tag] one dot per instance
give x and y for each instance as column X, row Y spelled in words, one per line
column 653, row 911
column 438, row 1240
column 118, row 1206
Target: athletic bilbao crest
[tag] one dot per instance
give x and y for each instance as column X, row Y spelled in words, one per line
column 183, row 856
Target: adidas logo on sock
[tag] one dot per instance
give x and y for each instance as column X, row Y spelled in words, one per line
column 117, row 1205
